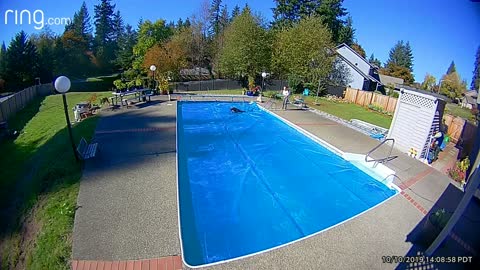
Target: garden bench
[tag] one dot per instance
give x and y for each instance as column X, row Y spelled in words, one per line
column 86, row 150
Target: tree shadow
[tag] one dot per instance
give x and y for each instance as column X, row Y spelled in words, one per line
column 465, row 229
column 52, row 166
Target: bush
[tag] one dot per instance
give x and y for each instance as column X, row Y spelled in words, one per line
column 295, row 83
column 459, row 172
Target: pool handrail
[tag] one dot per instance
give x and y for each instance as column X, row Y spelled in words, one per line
column 386, row 159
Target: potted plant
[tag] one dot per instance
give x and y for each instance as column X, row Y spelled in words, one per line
column 434, row 224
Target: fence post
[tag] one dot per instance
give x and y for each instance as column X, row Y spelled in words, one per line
column 356, row 96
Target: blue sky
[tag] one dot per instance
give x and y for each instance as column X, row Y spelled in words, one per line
column 439, row 31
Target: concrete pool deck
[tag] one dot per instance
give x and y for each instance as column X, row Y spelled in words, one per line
column 128, row 206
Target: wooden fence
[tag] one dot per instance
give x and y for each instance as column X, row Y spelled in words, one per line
column 10, row 105
column 365, row 98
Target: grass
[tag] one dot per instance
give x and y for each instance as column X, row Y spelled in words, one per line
column 39, row 183
column 456, row 110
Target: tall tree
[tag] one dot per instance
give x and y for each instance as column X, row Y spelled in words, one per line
column 429, row 83
column 452, row 86
column 294, row 52
column 288, row 12
column 374, row 61
column 148, row 35
column 118, row 27
column 215, row 13
column 125, row 48
column 81, row 25
column 347, row 32
column 356, row 47
column 104, row 34
column 401, row 55
column 45, row 44
column 476, row 72
column 246, row 50
column 235, row 12
column 3, row 60
column 451, row 68
column 21, row 67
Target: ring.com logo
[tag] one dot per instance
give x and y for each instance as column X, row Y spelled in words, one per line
column 37, row 17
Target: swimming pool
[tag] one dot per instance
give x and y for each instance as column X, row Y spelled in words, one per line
column 249, row 182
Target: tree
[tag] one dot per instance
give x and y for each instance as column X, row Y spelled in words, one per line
column 476, row 72
column 3, row 60
column 288, row 12
column 429, row 83
column 356, row 47
column 452, row 86
column 304, row 51
column 401, row 55
column 235, row 12
column 374, row 61
column 215, row 13
column 451, row 69
column 171, row 56
column 399, row 72
column 125, row 48
column 21, row 66
column 149, row 34
column 81, row 25
column 105, row 34
column 246, row 50
column 45, row 44
column 347, row 33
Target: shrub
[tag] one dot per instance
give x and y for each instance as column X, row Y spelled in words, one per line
column 458, row 173
column 295, row 83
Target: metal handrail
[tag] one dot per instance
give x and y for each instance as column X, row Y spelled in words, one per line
column 381, row 160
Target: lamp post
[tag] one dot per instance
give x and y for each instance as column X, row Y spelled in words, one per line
column 62, row 85
column 153, row 68
column 264, row 75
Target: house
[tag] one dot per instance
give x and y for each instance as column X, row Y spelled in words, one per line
column 391, row 81
column 362, row 74
column 469, row 99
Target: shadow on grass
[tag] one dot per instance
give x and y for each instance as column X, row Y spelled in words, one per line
column 51, row 166
column 466, row 229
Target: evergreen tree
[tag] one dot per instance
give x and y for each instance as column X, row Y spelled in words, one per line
column 401, row 55
column 3, row 60
column 235, row 12
column 180, row 23
column 224, row 19
column 215, row 12
column 288, row 12
column 118, row 27
column 476, row 72
column 45, row 44
column 451, row 68
column 104, row 34
column 21, row 66
column 81, row 25
column 347, row 32
column 125, row 48
column 374, row 61
column 187, row 23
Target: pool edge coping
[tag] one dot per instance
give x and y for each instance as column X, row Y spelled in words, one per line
column 301, row 130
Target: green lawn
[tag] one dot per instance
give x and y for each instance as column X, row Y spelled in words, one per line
column 38, row 169
column 456, row 110
column 349, row 111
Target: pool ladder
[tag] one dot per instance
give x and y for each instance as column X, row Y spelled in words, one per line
column 381, row 160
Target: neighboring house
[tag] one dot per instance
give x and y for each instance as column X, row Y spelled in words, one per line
column 391, row 81
column 469, row 99
column 196, row 73
column 363, row 75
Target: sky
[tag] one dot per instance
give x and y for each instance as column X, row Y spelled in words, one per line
column 439, row 31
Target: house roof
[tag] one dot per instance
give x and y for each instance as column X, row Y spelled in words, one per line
column 385, row 79
column 442, row 97
column 361, row 57
column 470, row 97
column 366, row 76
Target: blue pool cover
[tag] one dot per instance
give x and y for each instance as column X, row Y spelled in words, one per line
column 249, row 182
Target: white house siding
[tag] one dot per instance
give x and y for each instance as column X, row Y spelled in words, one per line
column 356, row 80
column 355, row 59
